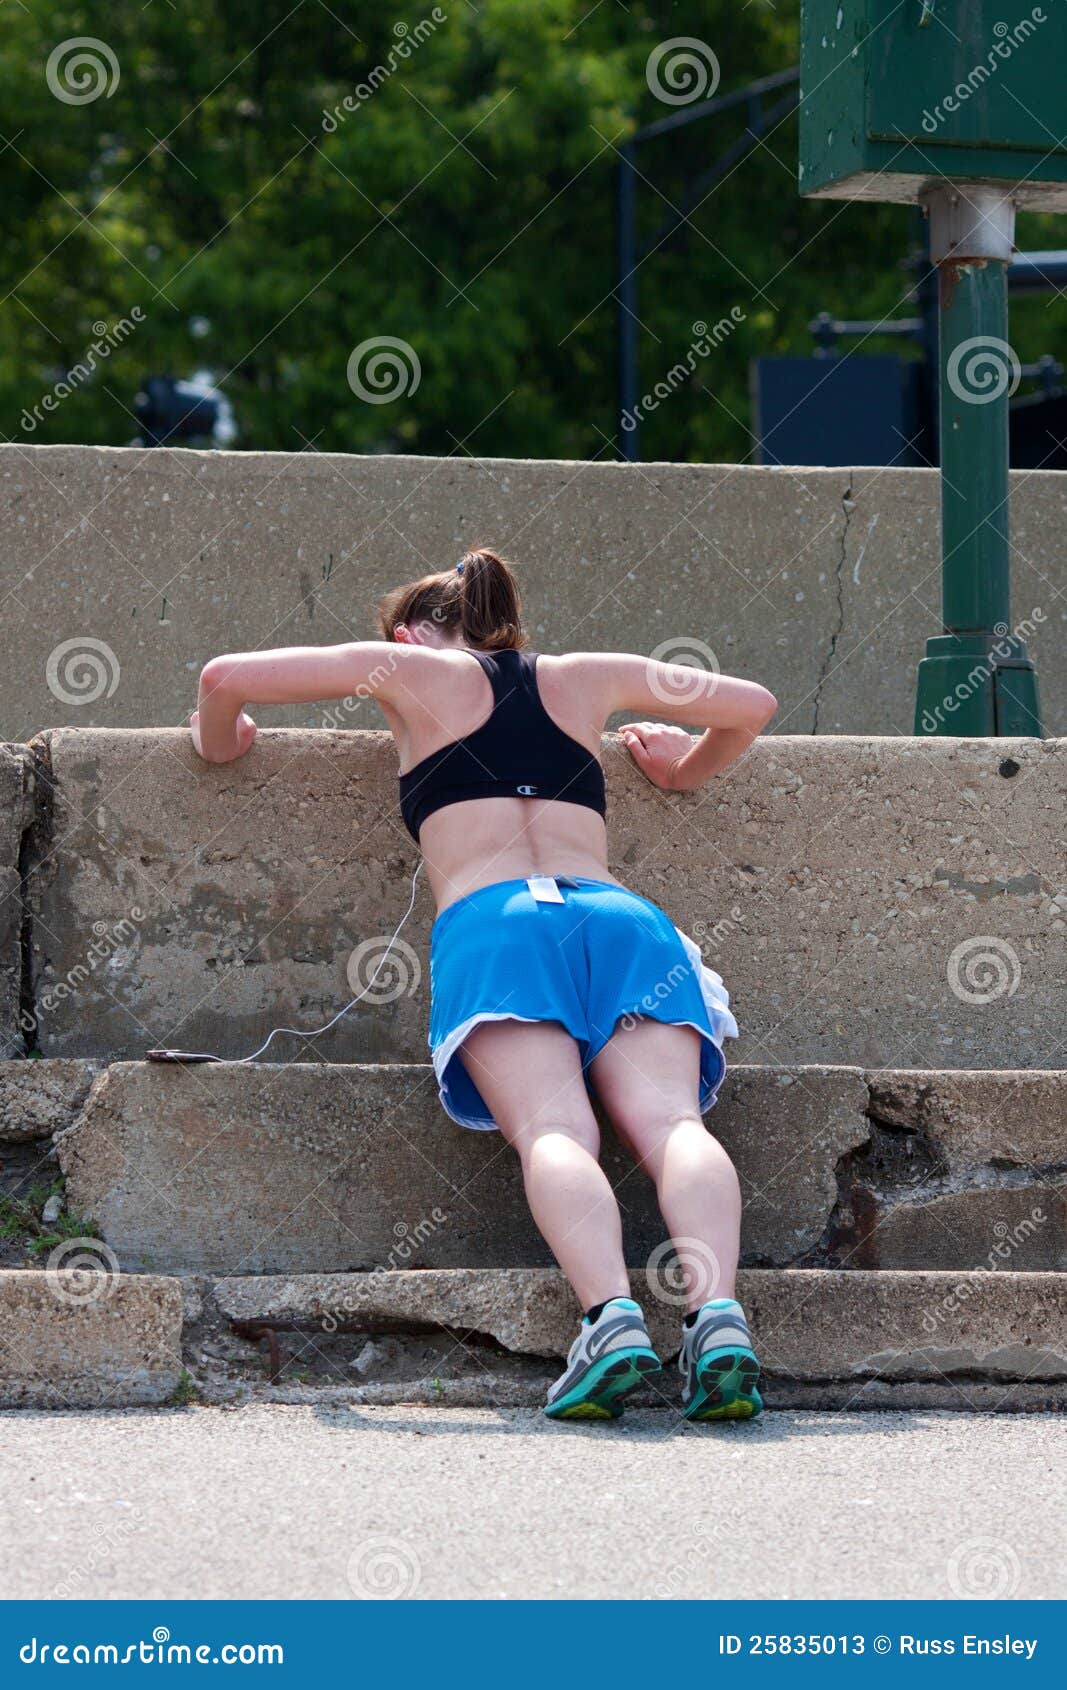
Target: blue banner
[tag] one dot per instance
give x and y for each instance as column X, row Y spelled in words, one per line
column 517, row 1644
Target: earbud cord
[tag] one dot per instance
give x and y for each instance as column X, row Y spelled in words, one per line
column 315, row 1032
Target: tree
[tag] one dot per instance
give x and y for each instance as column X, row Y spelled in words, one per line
column 273, row 185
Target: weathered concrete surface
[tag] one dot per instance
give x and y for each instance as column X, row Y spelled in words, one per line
column 893, row 903
column 307, row 1167
column 304, row 1168
column 823, row 583
column 1024, row 1226
column 964, row 1169
column 1011, row 1117
column 889, row 580
column 79, row 1338
column 810, row 1326
column 16, row 799
column 38, row 1099
column 345, row 1502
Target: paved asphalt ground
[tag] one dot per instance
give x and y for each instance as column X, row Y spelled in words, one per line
column 274, row 1501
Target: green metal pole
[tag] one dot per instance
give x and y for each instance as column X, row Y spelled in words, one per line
column 976, row 572
column 976, row 678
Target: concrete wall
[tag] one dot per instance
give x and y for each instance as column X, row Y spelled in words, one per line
column 881, row 902
column 822, row 583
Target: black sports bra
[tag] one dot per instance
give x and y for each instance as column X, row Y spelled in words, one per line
column 520, row 752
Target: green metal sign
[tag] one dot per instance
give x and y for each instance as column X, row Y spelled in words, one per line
column 956, row 105
column 896, row 92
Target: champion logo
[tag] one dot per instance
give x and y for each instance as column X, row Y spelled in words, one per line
column 527, row 791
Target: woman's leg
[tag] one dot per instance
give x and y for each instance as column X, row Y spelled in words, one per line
column 530, row 1075
column 647, row 1076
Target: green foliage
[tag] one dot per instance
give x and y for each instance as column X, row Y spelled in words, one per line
column 186, row 1391
column 465, row 207
column 20, row 1219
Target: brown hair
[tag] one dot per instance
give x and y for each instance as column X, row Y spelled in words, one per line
column 479, row 598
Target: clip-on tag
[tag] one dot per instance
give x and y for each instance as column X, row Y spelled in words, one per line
column 544, row 889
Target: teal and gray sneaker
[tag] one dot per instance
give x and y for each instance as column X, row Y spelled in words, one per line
column 719, row 1371
column 611, row 1356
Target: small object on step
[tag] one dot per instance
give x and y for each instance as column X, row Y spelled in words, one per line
column 164, row 1055
column 367, row 1357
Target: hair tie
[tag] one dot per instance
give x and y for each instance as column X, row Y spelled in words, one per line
column 459, row 568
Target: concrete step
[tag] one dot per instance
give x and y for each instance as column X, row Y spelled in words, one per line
column 829, row 1339
column 886, row 902
column 81, row 1338
column 313, row 1168
column 88, row 1337
column 818, row 582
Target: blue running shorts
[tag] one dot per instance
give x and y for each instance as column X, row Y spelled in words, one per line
column 598, row 954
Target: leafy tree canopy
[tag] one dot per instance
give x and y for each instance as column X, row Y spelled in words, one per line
column 271, row 183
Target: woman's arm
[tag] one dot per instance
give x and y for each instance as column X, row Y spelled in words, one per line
column 731, row 711
column 295, row 675
column 673, row 759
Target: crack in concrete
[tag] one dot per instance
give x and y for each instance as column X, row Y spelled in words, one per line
column 34, row 849
column 847, row 507
column 903, row 1165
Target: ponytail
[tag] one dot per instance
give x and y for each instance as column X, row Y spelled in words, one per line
column 478, row 599
column 490, row 615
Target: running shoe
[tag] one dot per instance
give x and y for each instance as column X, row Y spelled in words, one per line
column 720, row 1373
column 610, row 1357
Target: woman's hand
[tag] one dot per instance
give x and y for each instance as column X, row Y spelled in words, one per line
column 657, row 749
column 244, row 733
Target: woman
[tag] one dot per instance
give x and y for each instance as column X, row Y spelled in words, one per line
column 548, row 977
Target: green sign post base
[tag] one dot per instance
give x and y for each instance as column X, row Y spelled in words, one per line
column 940, row 103
column 978, row 686
column 976, row 678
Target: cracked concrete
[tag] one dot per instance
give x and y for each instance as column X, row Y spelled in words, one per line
column 230, row 901
column 735, row 555
column 859, row 1331
column 847, row 508
column 302, row 1168
column 17, row 805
